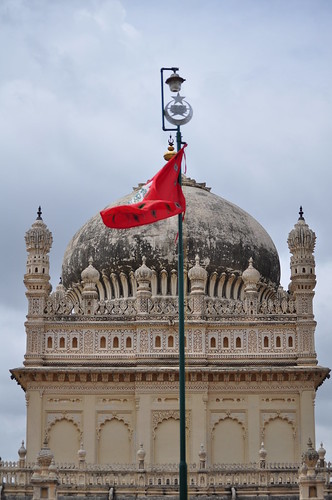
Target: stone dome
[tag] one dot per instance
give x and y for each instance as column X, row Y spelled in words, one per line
column 223, row 236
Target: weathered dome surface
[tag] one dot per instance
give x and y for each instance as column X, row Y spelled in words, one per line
column 222, row 234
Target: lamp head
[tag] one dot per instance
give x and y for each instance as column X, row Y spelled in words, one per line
column 175, row 81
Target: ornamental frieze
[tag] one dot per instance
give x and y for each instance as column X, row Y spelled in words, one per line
column 159, row 306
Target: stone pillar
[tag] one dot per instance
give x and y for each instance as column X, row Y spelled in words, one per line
column 35, row 427
column 307, row 399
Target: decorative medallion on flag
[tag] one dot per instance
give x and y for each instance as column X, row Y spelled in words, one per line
column 158, row 199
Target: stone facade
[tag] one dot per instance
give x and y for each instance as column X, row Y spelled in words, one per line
column 100, row 377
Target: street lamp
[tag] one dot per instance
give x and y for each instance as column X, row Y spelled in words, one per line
column 178, row 112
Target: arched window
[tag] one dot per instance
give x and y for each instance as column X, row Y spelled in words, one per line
column 49, row 342
column 266, row 341
column 102, row 343
column 62, row 342
column 170, row 341
column 225, row 342
column 213, row 343
column 290, row 341
column 116, row 342
column 238, row 342
column 157, row 342
column 128, row 342
column 278, row 341
column 74, row 343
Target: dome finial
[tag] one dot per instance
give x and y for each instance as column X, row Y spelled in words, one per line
column 39, row 213
column 301, row 213
column 170, row 150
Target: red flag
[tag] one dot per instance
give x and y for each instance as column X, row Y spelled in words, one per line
column 158, row 199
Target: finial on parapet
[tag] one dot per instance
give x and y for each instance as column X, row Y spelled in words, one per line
column 251, row 277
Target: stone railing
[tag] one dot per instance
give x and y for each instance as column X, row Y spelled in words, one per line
column 167, row 306
column 123, row 475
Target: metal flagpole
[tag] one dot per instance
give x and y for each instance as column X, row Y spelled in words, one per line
column 182, row 109
column 182, row 379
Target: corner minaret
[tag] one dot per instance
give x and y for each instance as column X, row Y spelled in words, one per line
column 38, row 241
column 301, row 243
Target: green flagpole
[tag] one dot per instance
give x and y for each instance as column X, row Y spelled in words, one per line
column 182, row 380
column 179, row 112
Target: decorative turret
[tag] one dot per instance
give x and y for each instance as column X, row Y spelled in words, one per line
column 38, row 241
column 311, row 481
column 301, row 243
column 143, row 277
column 198, row 277
column 251, row 279
column 90, row 277
column 44, row 479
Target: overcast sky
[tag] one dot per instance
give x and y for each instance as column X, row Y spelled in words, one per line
column 80, row 124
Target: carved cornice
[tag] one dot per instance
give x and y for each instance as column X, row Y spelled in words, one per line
column 246, row 378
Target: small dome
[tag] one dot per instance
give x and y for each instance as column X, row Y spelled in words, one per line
column 143, row 273
column 310, row 457
column 223, row 235
column 22, row 451
column 251, row 276
column 141, row 452
column 90, row 274
column 45, row 456
column 301, row 237
column 38, row 237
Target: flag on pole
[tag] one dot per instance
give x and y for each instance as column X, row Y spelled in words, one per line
column 158, row 199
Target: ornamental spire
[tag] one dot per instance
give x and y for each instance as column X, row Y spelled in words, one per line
column 301, row 213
